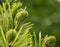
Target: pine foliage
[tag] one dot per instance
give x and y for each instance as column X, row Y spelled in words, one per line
column 14, row 32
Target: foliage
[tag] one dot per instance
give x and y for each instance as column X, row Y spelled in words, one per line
column 47, row 41
column 45, row 14
column 14, row 32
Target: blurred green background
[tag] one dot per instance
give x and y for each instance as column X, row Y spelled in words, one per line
column 45, row 15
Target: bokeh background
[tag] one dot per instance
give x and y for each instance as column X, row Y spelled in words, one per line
column 45, row 15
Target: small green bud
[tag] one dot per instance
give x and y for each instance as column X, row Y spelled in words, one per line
column 49, row 41
column 10, row 35
column 21, row 16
